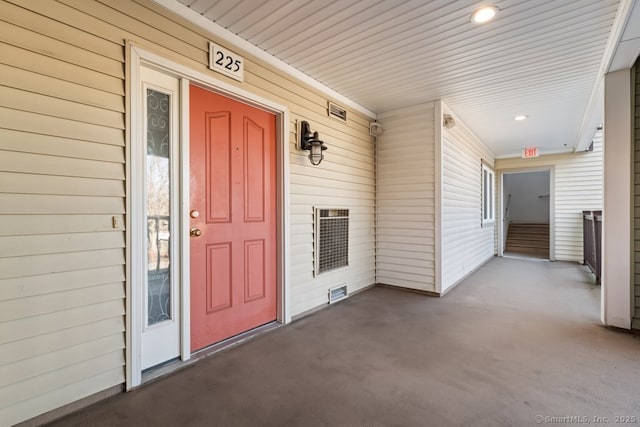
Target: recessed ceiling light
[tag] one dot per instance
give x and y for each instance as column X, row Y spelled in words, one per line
column 484, row 14
column 520, row 117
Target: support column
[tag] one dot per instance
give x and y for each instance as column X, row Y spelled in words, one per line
column 617, row 232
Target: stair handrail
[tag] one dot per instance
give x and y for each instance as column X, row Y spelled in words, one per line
column 506, row 211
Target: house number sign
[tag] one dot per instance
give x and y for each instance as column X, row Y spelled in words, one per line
column 226, row 62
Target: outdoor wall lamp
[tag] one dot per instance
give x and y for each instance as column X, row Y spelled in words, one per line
column 311, row 141
column 448, row 121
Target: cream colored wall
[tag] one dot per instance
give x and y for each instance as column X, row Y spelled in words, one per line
column 62, row 170
column 61, row 183
column 466, row 242
column 406, row 198
column 422, row 168
column 577, row 184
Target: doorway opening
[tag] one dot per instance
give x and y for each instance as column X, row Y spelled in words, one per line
column 526, row 220
column 159, row 250
column 233, row 240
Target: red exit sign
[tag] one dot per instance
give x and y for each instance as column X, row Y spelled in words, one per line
column 530, row 152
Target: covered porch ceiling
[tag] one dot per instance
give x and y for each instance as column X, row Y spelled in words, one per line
column 540, row 58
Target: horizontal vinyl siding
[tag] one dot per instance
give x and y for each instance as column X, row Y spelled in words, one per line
column 61, row 182
column 466, row 242
column 62, row 171
column 577, row 186
column 345, row 179
column 406, row 199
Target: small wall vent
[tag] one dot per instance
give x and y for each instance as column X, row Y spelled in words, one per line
column 337, row 293
column 337, row 112
column 331, row 239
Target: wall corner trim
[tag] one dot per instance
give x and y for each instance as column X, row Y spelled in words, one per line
column 617, row 231
column 437, row 112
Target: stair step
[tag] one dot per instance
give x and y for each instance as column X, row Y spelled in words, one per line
column 528, row 255
column 531, row 251
column 529, row 236
column 528, row 239
column 528, row 229
column 527, row 233
column 527, row 244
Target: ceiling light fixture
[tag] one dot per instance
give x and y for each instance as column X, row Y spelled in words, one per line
column 484, row 14
column 520, row 117
column 448, row 121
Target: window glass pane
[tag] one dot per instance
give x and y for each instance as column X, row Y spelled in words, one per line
column 484, row 194
column 158, row 208
column 488, row 200
column 490, row 196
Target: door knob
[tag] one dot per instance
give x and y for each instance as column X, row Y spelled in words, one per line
column 195, row 232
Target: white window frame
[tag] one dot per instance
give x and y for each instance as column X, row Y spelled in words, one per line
column 488, row 176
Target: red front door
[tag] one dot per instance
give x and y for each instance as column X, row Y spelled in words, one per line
column 233, row 205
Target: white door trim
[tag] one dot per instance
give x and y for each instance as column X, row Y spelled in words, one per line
column 552, row 207
column 185, row 272
column 136, row 57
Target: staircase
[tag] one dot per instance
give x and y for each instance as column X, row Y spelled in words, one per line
column 528, row 239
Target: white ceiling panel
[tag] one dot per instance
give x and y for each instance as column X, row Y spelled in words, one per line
column 541, row 58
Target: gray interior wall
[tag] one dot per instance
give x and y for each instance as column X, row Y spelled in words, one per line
column 529, row 197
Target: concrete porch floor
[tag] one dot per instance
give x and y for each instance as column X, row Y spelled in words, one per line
column 516, row 340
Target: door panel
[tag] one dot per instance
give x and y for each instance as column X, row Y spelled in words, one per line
column 233, row 177
column 254, row 270
column 218, row 280
column 254, row 172
column 218, row 167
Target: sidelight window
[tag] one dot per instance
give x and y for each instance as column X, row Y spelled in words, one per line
column 158, row 204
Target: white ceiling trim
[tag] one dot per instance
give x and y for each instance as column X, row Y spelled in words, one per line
column 594, row 114
column 628, row 46
column 229, row 37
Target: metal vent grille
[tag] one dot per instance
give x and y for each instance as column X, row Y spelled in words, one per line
column 337, row 112
column 332, row 239
column 338, row 293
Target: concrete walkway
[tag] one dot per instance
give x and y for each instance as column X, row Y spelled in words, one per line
column 517, row 340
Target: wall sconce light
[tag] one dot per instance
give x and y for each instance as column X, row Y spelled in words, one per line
column 448, row 121
column 311, row 141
